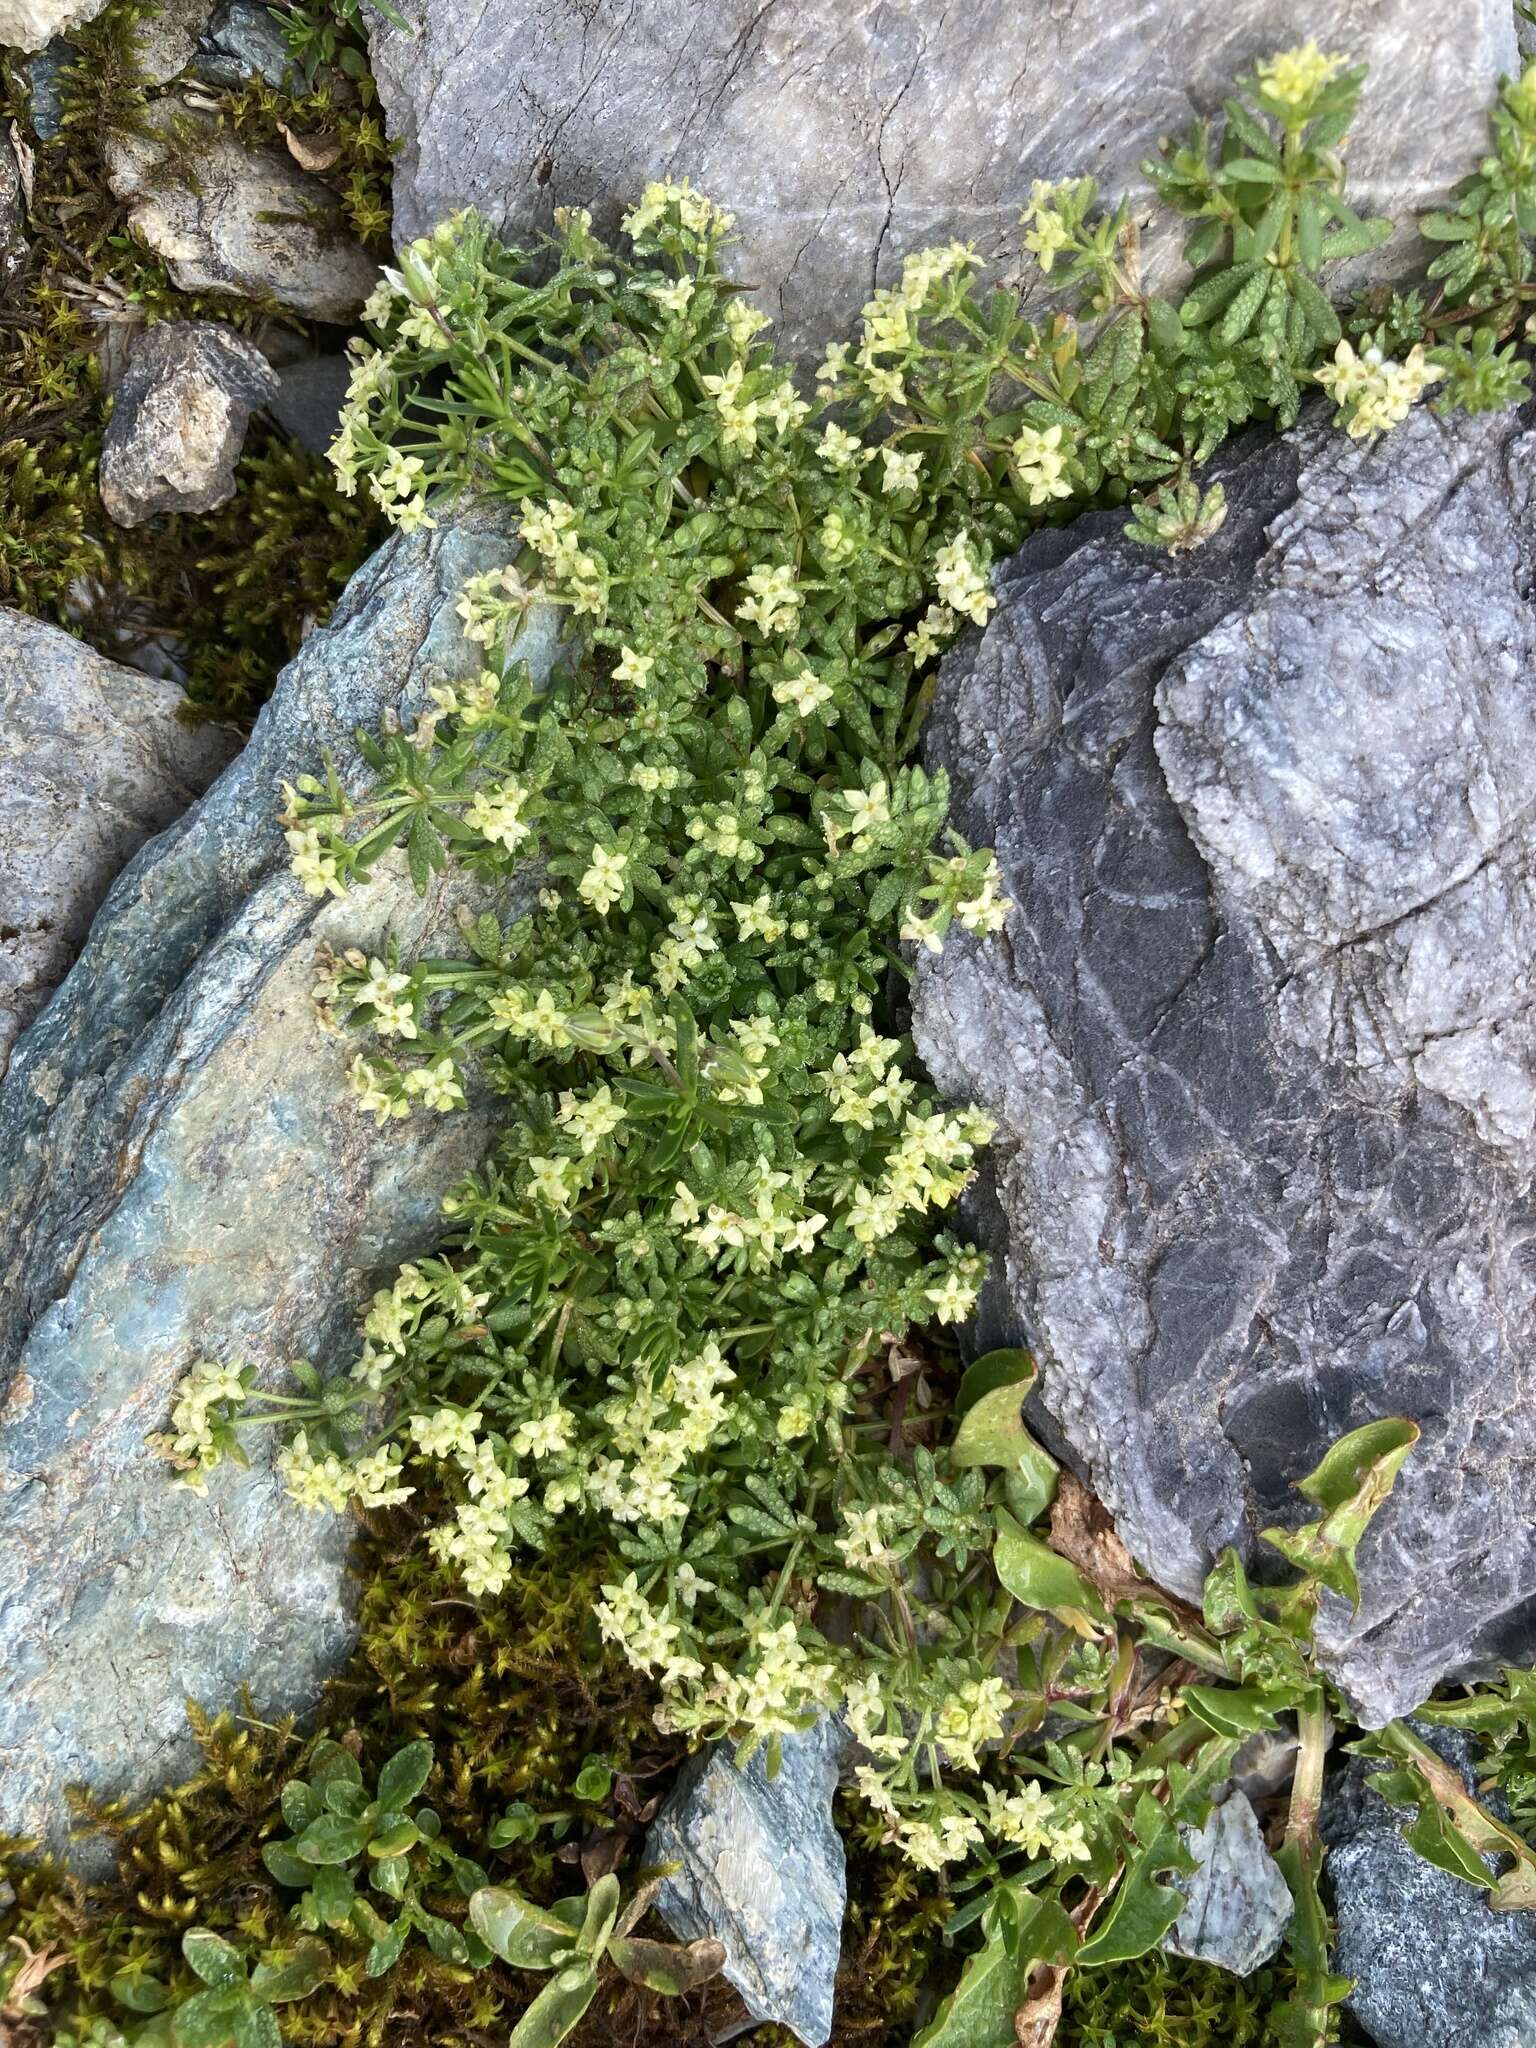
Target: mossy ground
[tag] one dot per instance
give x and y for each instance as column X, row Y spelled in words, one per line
column 230, row 592
column 515, row 1697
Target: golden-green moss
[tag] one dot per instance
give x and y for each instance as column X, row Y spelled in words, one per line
column 229, row 592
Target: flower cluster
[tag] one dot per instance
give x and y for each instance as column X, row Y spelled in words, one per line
column 1373, row 394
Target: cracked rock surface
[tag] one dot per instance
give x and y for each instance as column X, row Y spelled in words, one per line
column 844, row 133
column 762, row 1872
column 179, row 419
column 256, row 225
column 184, row 1174
column 1259, row 1035
column 1433, row 1965
column 93, row 761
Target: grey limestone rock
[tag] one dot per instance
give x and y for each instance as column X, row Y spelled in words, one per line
column 168, row 37
column 256, row 225
column 845, row 133
column 1434, row 1966
column 762, row 1873
column 1260, row 1036
column 93, row 761
column 179, row 419
column 30, row 24
column 1239, row 1903
column 184, row 1174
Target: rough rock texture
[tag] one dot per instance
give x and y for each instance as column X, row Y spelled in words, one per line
column 93, row 760
column 44, row 90
column 13, row 214
column 256, row 226
column 168, row 38
column 763, row 1873
column 309, row 399
column 179, row 420
column 243, row 41
column 1434, row 1966
column 844, row 133
column 184, row 1174
column 1259, row 1035
column 29, row 24
column 1239, row 1903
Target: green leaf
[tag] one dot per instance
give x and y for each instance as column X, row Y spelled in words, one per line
column 1249, row 170
column 331, row 1761
column 424, row 852
column 207, row 2019
column 527, row 1936
column 404, row 1776
column 602, row 1912
column 1351, row 1483
column 444, row 1939
column 297, row 1972
column 1232, row 1710
column 1143, row 1908
column 211, row 1958
column 396, row 1835
column 138, row 1993
column 557, row 2010
column 662, row 1966
column 287, row 1867
column 385, row 1952
column 1006, row 1368
column 256, row 2027
column 333, row 1838
column 300, row 1804
column 979, row 2012
column 333, row 1892
column 1035, row 1575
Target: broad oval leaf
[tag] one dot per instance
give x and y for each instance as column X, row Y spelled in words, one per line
column 1035, row 1575
column 663, row 1966
column 211, row 1958
column 207, row 2019
column 296, row 1973
column 331, row 1760
column 403, row 1777
column 286, row 1866
column 527, row 1936
column 333, row 1838
column 139, row 1994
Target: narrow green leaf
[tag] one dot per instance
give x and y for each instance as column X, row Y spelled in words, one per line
column 557, row 2010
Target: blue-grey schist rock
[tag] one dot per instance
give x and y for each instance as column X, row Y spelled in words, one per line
column 1433, row 1965
column 183, row 1173
column 1260, row 1035
column 762, row 1871
column 1239, row 1903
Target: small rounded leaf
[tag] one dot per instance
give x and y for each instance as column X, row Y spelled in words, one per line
column 212, row 1958
column 403, row 1777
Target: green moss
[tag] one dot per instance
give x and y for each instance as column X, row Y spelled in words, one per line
column 231, row 591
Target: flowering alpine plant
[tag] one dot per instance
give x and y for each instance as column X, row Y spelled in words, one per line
column 691, row 1313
